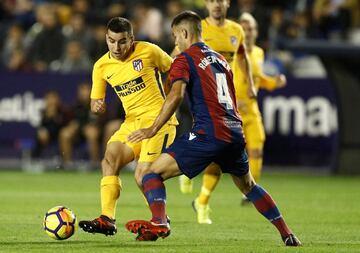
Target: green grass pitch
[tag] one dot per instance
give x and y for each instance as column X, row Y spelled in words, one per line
column 323, row 211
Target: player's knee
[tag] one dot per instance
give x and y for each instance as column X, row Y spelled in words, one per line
column 244, row 183
column 140, row 173
column 139, row 177
column 108, row 166
column 247, row 186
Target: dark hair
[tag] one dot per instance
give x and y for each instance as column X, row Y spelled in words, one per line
column 191, row 17
column 120, row 25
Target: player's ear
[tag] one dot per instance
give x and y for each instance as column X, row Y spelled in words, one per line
column 184, row 33
column 132, row 38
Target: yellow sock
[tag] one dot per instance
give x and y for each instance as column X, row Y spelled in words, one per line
column 110, row 187
column 209, row 183
column 255, row 167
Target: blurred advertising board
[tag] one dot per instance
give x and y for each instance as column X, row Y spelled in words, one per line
column 301, row 123
column 300, row 120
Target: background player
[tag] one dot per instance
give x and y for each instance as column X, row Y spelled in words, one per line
column 248, row 108
column 216, row 135
column 131, row 68
column 227, row 38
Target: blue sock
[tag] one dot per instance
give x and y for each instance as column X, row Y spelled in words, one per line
column 267, row 207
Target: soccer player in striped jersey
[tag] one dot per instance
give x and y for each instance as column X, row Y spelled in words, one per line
column 132, row 69
column 216, row 135
column 227, row 38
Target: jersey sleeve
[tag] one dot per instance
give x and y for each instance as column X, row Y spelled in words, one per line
column 162, row 59
column 98, row 88
column 267, row 82
column 179, row 70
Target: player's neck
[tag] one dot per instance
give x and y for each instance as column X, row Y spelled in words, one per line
column 217, row 22
column 193, row 40
column 249, row 47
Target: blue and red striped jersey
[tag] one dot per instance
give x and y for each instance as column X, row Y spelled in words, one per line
column 210, row 90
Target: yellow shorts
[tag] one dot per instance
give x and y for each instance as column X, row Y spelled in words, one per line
column 253, row 127
column 149, row 149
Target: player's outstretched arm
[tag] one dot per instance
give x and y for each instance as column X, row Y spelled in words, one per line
column 244, row 63
column 271, row 83
column 98, row 106
column 169, row 107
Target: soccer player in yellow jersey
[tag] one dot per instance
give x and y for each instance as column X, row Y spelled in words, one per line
column 227, row 38
column 249, row 110
column 132, row 69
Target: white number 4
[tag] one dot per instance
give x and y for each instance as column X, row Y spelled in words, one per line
column 223, row 91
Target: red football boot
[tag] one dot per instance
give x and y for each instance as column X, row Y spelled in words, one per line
column 148, row 230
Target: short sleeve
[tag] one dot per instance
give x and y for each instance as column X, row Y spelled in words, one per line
column 162, row 59
column 98, row 88
column 179, row 70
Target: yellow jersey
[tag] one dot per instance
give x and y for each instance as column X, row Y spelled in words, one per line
column 226, row 40
column 256, row 57
column 136, row 80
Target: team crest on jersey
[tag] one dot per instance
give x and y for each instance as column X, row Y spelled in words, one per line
column 138, row 65
column 233, row 40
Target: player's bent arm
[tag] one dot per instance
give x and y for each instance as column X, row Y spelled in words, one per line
column 171, row 103
column 167, row 85
column 169, row 107
column 244, row 63
column 98, row 106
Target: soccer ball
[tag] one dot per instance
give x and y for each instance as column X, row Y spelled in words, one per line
column 59, row 223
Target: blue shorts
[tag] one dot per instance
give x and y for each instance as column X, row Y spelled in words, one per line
column 193, row 152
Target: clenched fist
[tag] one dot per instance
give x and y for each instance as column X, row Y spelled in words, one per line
column 98, row 106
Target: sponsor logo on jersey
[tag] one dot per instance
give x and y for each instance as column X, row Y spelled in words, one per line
column 130, row 87
column 138, row 65
column 108, row 77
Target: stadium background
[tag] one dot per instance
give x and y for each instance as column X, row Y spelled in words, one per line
column 312, row 127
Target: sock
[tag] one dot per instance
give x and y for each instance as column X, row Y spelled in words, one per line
column 267, row 207
column 155, row 194
column 110, row 187
column 209, row 183
column 255, row 165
